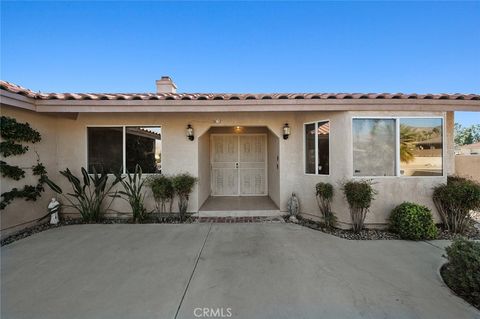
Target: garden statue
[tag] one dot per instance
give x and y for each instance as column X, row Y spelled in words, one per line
column 293, row 207
column 53, row 209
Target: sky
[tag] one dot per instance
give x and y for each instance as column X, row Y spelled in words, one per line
column 258, row 47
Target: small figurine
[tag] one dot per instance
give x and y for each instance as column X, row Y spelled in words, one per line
column 53, row 209
column 293, row 208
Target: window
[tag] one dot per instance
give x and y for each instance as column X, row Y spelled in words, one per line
column 421, row 147
column 112, row 149
column 373, row 147
column 317, row 148
column 105, row 145
column 397, row 147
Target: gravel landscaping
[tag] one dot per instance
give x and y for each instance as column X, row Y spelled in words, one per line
column 368, row 234
column 378, row 234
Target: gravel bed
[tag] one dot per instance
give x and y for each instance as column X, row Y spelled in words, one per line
column 378, row 234
column 27, row 232
column 366, row 234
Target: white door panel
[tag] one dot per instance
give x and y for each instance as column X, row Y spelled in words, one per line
column 238, row 164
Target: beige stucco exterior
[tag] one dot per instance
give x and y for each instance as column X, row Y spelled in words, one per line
column 64, row 146
column 63, row 125
column 20, row 214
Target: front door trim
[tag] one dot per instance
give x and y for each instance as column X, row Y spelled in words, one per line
column 237, row 164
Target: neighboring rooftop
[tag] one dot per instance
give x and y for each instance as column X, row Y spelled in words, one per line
column 469, row 146
column 17, row 89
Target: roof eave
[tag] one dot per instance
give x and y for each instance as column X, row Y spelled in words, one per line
column 125, row 106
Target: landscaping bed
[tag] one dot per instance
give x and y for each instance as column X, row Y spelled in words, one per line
column 378, row 234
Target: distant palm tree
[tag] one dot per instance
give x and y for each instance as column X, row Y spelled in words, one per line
column 407, row 137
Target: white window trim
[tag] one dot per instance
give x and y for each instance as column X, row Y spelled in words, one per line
column 124, row 144
column 316, row 149
column 397, row 145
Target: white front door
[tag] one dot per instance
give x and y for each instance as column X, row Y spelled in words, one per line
column 238, row 164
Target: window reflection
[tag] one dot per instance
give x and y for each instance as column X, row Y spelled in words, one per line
column 421, row 147
column 374, row 147
column 143, row 147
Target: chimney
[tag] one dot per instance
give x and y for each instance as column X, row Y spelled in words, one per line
column 166, row 85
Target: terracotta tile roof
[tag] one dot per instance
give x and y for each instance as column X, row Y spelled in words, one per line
column 13, row 88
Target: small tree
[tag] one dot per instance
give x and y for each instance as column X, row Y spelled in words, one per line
column 359, row 195
column 183, row 186
column 324, row 195
column 163, row 192
column 454, row 201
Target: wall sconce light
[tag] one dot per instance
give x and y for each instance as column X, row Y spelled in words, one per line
column 286, row 131
column 190, row 135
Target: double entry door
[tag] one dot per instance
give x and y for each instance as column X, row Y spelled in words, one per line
column 238, row 164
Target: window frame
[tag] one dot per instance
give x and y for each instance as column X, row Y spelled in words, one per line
column 397, row 120
column 124, row 144
column 316, row 148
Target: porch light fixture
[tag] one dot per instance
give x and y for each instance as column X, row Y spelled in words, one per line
column 190, row 135
column 286, row 131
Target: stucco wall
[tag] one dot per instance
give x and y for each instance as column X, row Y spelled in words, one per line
column 181, row 155
column 273, row 167
column 391, row 190
column 468, row 166
column 20, row 213
column 203, row 168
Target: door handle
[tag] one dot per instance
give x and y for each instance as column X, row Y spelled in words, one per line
column 236, row 165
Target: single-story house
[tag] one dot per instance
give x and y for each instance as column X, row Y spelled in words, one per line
column 250, row 152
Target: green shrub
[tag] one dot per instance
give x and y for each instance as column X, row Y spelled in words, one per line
column 183, row 186
column 454, row 200
column 133, row 193
column 89, row 197
column 163, row 192
column 324, row 195
column 359, row 195
column 462, row 273
column 413, row 221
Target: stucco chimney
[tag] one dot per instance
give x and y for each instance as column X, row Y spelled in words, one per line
column 166, row 85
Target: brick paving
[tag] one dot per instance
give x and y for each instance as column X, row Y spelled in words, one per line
column 243, row 219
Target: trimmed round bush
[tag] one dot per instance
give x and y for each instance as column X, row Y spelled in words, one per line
column 462, row 272
column 412, row 221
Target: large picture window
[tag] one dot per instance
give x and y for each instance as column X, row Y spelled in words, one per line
column 373, row 147
column 120, row 149
column 397, row 146
column 317, row 148
column 421, row 147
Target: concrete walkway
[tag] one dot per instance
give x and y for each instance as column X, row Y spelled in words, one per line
column 248, row 270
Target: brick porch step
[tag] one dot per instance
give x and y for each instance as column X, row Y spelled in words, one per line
column 241, row 219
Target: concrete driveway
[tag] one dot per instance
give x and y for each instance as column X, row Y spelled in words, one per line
column 242, row 270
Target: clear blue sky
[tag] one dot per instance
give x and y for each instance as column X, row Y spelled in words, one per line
column 422, row 47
